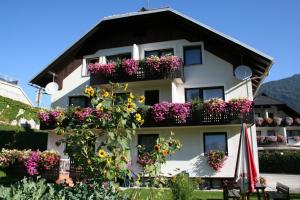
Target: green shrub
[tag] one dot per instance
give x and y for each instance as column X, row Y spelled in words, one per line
column 9, row 109
column 40, row 190
column 279, row 161
column 13, row 137
column 182, row 187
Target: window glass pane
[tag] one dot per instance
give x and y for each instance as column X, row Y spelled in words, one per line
column 256, row 115
column 80, row 101
column 151, row 53
column 258, row 133
column 291, row 133
column 215, row 142
column 167, row 52
column 192, row 94
column 151, row 97
column 118, row 57
column 148, row 141
column 271, row 115
column 271, row 133
column 192, row 56
column 159, row 53
column 212, row 93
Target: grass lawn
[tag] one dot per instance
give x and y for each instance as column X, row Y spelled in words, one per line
column 166, row 194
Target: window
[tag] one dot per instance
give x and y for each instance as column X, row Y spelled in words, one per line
column 147, row 140
column 151, row 97
column 85, row 71
column 80, row 101
column 271, row 133
column 192, row 55
column 159, row 53
column 118, row 57
column 271, row 115
column 258, row 133
column 204, row 93
column 215, row 141
column 291, row 133
column 256, row 115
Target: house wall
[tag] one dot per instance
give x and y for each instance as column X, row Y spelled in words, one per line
column 191, row 157
column 213, row 72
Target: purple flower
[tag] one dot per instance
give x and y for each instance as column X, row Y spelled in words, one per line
column 180, row 111
column 160, row 111
column 215, row 106
column 170, row 63
column 104, row 69
column 32, row 163
column 153, row 64
column 241, row 105
column 130, row 66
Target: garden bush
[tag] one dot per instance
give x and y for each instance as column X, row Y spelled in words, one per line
column 182, row 187
column 279, row 161
column 13, row 137
column 10, row 108
column 40, row 190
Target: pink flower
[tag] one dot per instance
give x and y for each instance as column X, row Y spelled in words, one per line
column 180, row 111
column 170, row 63
column 153, row 64
column 160, row 111
column 215, row 106
column 32, row 163
column 241, row 105
column 103, row 69
column 130, row 66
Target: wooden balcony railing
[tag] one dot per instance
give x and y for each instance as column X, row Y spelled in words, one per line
column 201, row 117
column 142, row 74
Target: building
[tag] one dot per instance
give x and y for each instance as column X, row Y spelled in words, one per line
column 9, row 88
column 209, row 59
column 278, row 125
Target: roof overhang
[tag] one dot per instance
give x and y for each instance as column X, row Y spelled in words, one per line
column 219, row 43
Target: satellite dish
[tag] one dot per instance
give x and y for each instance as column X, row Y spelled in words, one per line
column 51, row 88
column 242, row 72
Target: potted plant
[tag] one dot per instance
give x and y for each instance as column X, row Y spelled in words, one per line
column 216, row 159
column 196, row 110
column 170, row 63
column 180, row 111
column 259, row 121
column 240, row 105
column 215, row 106
column 103, row 69
column 280, row 138
column 262, row 180
column 130, row 66
column 297, row 121
column 288, row 121
column 296, row 138
column 277, row 121
column 269, row 121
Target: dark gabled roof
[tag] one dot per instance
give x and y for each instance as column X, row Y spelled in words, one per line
column 220, row 44
column 263, row 99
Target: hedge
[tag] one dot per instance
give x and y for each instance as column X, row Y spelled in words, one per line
column 9, row 109
column 279, row 161
column 13, row 137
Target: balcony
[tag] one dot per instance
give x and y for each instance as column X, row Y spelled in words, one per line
column 144, row 72
column 201, row 118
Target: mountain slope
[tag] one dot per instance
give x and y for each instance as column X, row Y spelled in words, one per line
column 286, row 90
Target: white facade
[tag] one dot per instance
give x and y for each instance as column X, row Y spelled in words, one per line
column 213, row 72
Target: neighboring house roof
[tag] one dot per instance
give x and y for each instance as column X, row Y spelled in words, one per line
column 220, row 44
column 264, row 100
column 13, row 91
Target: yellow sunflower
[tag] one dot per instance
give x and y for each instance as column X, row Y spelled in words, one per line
column 125, row 86
column 105, row 94
column 130, row 107
column 156, row 147
column 89, row 91
column 108, row 160
column 131, row 95
column 165, row 152
column 101, row 153
column 99, row 107
column 129, row 100
column 138, row 117
column 141, row 99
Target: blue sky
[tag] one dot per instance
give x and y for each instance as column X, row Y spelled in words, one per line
column 34, row 32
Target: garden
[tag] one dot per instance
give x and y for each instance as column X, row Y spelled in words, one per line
column 107, row 166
